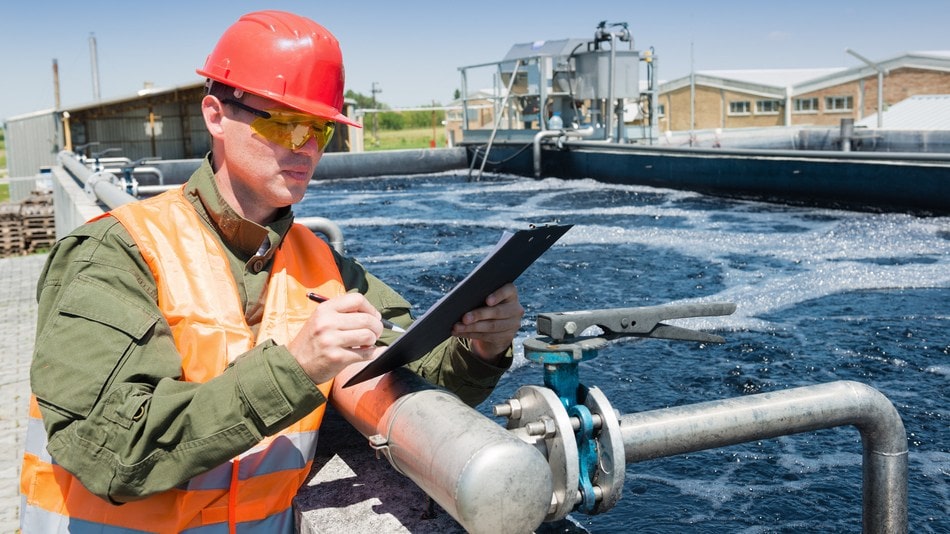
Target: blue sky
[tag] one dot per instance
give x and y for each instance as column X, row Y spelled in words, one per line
column 413, row 49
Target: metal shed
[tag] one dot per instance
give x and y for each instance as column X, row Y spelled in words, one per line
column 162, row 124
column 32, row 142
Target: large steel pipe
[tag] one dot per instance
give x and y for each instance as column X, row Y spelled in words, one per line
column 482, row 475
column 683, row 429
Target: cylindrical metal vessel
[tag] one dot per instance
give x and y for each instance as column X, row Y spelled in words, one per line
column 483, row 475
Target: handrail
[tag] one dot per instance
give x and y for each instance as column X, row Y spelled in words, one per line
column 101, row 186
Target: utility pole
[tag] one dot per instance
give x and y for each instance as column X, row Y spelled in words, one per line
column 56, row 102
column 374, row 91
column 94, row 58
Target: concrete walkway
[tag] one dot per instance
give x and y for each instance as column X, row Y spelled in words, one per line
column 18, row 277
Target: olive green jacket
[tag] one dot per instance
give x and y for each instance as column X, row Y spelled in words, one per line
column 106, row 372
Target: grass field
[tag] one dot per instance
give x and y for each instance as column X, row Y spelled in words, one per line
column 400, row 139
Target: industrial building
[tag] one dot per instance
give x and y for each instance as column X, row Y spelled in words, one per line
column 726, row 99
column 161, row 124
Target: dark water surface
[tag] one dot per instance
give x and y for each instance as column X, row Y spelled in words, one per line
column 822, row 295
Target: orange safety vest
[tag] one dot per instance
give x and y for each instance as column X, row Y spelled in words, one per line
column 199, row 298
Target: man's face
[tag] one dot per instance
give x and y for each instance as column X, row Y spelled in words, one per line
column 256, row 175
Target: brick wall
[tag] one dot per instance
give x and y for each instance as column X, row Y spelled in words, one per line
column 712, row 104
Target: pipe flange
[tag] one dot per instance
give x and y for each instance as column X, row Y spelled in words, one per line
column 611, row 464
column 560, row 448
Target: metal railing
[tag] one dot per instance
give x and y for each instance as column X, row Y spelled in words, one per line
column 103, row 187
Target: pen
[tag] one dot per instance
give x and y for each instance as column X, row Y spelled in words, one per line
column 386, row 324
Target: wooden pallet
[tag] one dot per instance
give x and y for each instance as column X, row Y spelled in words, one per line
column 9, row 210
column 27, row 226
column 11, row 237
column 36, row 210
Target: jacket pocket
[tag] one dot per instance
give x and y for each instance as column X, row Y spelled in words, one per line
column 81, row 346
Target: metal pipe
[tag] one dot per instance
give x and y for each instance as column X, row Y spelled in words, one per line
column 683, row 429
column 880, row 84
column 101, row 185
column 494, row 130
column 485, row 477
column 536, row 148
column 611, row 105
column 326, row 227
column 847, row 134
column 654, row 95
column 538, row 137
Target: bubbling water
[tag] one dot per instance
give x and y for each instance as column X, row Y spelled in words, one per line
column 822, row 295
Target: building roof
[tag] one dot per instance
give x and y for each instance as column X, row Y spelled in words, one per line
column 798, row 81
column 934, row 53
column 920, row 112
column 773, row 77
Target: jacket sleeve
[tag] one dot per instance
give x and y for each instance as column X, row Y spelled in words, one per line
column 451, row 364
column 106, row 374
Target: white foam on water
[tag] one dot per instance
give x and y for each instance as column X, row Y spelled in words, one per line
column 825, row 251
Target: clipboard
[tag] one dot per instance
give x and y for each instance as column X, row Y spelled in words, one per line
column 512, row 255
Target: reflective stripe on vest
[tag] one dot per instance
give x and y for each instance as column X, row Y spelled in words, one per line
column 199, row 298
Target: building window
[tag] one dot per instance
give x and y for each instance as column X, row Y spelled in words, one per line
column 661, row 110
column 741, row 107
column 839, row 103
column 806, row 105
column 767, row 107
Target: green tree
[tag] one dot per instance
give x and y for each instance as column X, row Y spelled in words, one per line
column 362, row 101
column 391, row 120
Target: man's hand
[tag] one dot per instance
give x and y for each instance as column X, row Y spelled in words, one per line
column 492, row 327
column 341, row 331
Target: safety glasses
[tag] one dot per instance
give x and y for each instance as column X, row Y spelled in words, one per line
column 288, row 129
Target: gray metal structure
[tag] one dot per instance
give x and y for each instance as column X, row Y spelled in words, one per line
column 32, row 142
column 586, row 82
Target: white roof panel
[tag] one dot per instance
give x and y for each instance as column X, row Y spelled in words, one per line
column 774, row 77
column 921, row 112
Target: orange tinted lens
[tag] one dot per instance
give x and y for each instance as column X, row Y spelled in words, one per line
column 293, row 130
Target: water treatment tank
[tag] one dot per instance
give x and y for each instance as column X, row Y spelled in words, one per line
column 592, row 74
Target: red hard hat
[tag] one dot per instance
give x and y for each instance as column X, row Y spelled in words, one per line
column 284, row 57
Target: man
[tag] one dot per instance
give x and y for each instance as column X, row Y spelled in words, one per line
column 180, row 370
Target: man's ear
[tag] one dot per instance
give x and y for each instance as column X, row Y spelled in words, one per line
column 213, row 111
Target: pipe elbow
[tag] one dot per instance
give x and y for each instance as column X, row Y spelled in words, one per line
column 877, row 419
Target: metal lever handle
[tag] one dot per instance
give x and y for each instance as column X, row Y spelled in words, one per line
column 641, row 322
